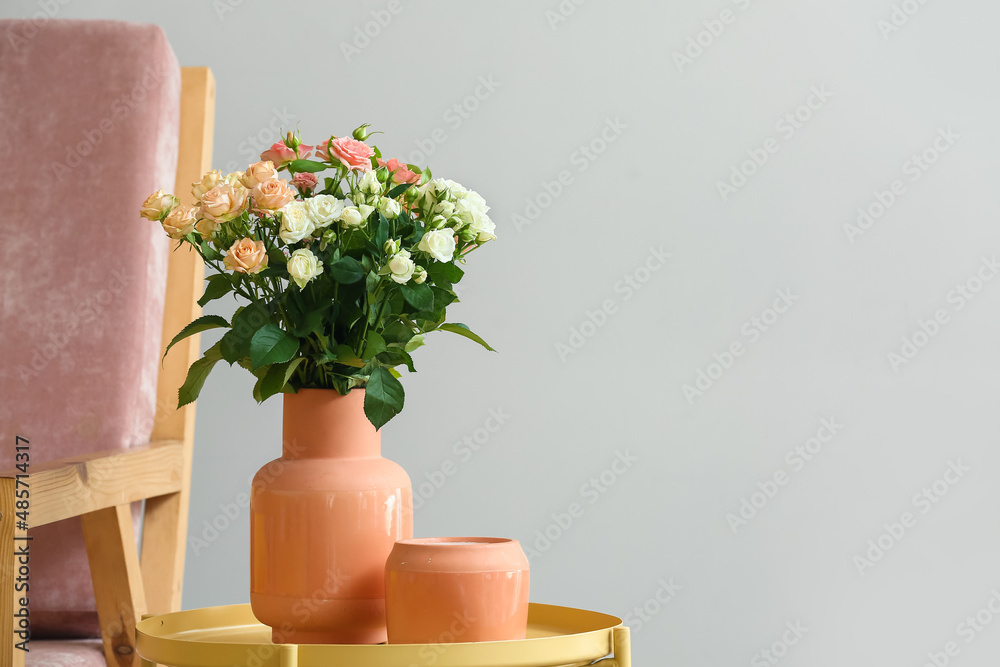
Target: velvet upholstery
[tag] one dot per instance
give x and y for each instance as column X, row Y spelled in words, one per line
column 89, row 114
column 66, row 653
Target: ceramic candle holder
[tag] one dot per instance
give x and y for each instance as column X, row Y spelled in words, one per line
column 443, row 590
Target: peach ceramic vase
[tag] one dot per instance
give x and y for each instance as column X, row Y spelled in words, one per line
column 323, row 519
column 443, row 590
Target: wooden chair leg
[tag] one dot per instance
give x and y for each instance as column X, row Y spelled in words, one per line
column 9, row 567
column 163, row 545
column 114, row 568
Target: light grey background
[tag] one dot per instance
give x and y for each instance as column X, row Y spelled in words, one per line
column 664, row 519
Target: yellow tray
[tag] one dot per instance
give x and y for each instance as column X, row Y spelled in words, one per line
column 230, row 636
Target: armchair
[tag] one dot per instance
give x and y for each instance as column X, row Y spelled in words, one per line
column 93, row 115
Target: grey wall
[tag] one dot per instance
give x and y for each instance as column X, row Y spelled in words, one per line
column 661, row 533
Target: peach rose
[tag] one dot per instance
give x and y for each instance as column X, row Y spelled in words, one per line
column 207, row 182
column 352, row 153
column 246, row 256
column 279, row 154
column 207, row 228
column 305, row 181
column 157, row 205
column 400, row 172
column 180, row 221
column 224, row 202
column 258, row 172
column 272, row 194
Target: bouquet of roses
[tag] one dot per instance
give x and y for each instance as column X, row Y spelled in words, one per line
column 342, row 276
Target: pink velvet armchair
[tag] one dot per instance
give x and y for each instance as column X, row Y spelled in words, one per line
column 94, row 116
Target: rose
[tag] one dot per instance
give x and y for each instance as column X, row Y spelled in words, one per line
column 258, row 172
column 180, row 221
column 280, row 154
column 224, row 202
column 351, row 153
column 351, row 217
column 401, row 267
column 207, row 228
column 207, row 182
column 472, row 214
column 390, row 208
column 303, row 267
column 157, row 205
column 323, row 209
column 399, row 171
column 305, row 181
column 419, row 274
column 273, row 194
column 369, row 183
column 438, row 243
column 246, row 256
column 295, row 222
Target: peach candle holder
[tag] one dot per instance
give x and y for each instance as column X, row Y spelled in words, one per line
column 444, row 590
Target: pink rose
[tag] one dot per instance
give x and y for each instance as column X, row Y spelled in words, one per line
column 246, row 256
column 305, row 181
column 400, row 172
column 224, row 202
column 352, row 153
column 180, row 221
column 279, row 154
column 258, row 172
column 273, row 194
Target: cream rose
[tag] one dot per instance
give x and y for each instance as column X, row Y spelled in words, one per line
column 157, row 205
column 401, row 267
column 303, row 266
column 224, row 202
column 438, row 243
column 419, row 274
column 324, row 209
column 273, row 194
column 295, row 222
column 390, row 208
column 258, row 172
column 180, row 221
column 207, row 182
column 351, row 217
column 369, row 183
column 246, row 256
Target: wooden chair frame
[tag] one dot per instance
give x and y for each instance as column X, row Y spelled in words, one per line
column 100, row 487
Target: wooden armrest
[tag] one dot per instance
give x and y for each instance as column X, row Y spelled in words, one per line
column 81, row 484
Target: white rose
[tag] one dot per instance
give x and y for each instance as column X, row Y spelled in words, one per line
column 401, row 267
column 365, row 210
column 390, row 208
column 480, row 223
column 439, row 243
column 303, row 266
column 369, row 183
column 455, row 190
column 419, row 274
column 323, row 209
column 351, row 217
column 295, row 222
column 475, row 200
column 445, row 208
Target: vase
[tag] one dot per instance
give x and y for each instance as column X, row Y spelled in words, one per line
column 443, row 590
column 323, row 519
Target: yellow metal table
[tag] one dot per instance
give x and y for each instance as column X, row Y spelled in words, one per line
column 230, row 636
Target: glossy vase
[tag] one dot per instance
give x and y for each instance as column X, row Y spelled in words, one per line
column 323, row 519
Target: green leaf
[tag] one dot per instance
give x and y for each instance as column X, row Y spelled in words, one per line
column 381, row 233
column 383, row 397
column 398, row 190
column 235, row 345
column 442, row 273
column 346, row 356
column 347, row 270
column 395, row 355
column 218, row 285
column 310, row 166
column 419, row 296
column 209, row 251
column 277, row 377
column 397, row 332
column 462, row 330
column 203, row 323
column 414, row 343
column 196, row 376
column 374, row 345
column 272, row 345
column 275, row 256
